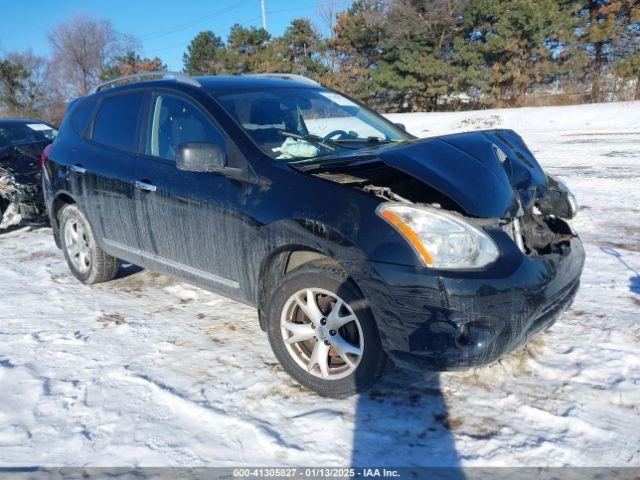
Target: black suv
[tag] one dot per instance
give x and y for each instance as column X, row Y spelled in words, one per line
column 355, row 241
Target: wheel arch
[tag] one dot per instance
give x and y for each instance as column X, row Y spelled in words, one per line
column 281, row 261
column 59, row 201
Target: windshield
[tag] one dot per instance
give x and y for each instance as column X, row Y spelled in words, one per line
column 23, row 133
column 304, row 124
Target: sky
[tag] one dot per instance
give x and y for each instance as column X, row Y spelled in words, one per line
column 164, row 27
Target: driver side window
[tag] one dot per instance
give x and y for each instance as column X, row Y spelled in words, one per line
column 174, row 121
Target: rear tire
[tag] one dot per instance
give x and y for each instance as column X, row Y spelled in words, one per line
column 330, row 345
column 86, row 260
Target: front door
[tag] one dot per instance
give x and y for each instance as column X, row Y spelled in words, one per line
column 189, row 223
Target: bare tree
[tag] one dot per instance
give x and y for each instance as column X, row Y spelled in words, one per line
column 328, row 10
column 34, row 101
column 24, row 77
column 83, row 48
column 36, row 65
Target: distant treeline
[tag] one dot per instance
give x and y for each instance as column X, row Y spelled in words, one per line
column 396, row 55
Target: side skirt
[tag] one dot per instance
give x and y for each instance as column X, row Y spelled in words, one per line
column 209, row 281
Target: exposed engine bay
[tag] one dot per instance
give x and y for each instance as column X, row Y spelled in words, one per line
column 536, row 221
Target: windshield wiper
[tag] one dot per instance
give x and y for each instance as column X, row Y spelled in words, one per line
column 315, row 139
column 377, row 140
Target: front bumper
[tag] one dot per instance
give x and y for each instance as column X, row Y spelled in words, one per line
column 452, row 320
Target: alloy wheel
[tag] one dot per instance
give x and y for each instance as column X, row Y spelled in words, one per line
column 77, row 245
column 322, row 333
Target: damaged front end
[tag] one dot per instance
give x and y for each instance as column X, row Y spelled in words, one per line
column 20, row 191
column 524, row 271
column 487, row 178
column 18, row 202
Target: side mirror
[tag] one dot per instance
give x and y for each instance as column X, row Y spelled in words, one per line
column 200, row 157
column 401, row 126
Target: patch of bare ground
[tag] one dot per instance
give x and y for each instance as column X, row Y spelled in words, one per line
column 450, row 423
column 140, row 281
column 112, row 319
column 274, row 367
column 629, row 246
column 477, row 123
column 218, row 327
column 219, row 333
column 294, row 389
column 635, row 299
column 480, row 431
column 38, row 255
column 285, row 390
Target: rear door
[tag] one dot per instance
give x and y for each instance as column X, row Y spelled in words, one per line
column 107, row 166
column 191, row 226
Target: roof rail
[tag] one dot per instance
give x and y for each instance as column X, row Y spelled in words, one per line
column 179, row 77
column 285, row 76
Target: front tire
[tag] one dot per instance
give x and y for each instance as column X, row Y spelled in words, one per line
column 322, row 332
column 86, row 260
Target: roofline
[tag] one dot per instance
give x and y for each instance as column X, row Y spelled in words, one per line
column 179, row 77
column 187, row 79
column 285, row 76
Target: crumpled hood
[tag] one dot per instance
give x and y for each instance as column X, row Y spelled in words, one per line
column 471, row 169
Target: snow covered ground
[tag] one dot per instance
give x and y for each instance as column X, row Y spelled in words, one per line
column 148, row 370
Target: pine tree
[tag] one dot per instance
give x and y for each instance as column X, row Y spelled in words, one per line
column 517, row 42
column 245, row 49
column 303, row 44
column 132, row 63
column 416, row 66
column 629, row 70
column 606, row 27
column 13, row 84
column 356, row 42
column 204, row 55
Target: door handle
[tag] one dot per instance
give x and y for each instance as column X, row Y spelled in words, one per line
column 145, row 186
column 77, row 168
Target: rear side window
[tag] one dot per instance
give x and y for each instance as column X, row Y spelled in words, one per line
column 116, row 121
column 81, row 116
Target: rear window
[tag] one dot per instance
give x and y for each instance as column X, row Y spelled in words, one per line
column 25, row 133
column 116, row 121
column 81, row 115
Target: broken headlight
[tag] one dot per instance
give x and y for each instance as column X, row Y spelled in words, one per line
column 440, row 240
column 573, row 204
column 559, row 201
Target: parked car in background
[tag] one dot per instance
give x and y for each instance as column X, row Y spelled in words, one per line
column 355, row 241
column 22, row 142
